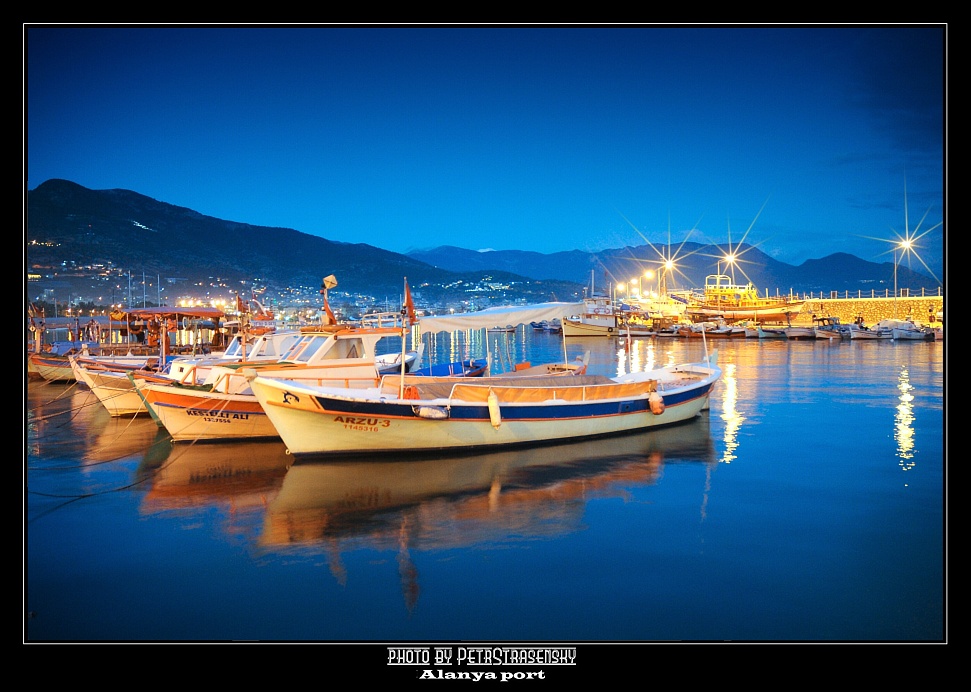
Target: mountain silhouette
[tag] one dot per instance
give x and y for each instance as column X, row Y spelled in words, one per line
column 71, row 226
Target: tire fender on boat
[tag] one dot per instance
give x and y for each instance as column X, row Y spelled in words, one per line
column 494, row 416
column 657, row 403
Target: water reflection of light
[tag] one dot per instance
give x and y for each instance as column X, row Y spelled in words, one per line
column 449, row 347
column 636, row 355
column 904, row 422
column 732, row 417
column 622, row 356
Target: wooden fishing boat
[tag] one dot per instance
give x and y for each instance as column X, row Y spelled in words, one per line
column 880, row 331
column 599, row 316
column 225, row 408
column 118, row 393
column 771, row 332
column 139, row 337
column 734, row 302
column 602, row 317
column 863, row 333
column 800, row 333
column 113, row 388
column 222, row 405
column 410, row 414
column 711, row 330
column 827, row 328
column 913, row 333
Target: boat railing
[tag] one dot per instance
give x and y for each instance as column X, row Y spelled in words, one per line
column 539, row 389
column 381, row 319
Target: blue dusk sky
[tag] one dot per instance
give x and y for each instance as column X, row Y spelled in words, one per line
column 804, row 141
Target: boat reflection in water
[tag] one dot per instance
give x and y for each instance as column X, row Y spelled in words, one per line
column 62, row 421
column 238, row 477
column 440, row 502
column 119, row 438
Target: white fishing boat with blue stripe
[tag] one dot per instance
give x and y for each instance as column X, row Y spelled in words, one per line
column 421, row 414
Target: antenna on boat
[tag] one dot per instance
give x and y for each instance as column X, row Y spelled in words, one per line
column 407, row 320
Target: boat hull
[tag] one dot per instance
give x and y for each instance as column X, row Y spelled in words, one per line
column 189, row 416
column 50, row 368
column 770, row 313
column 321, row 422
column 58, row 368
column 712, row 333
column 912, row 335
column 605, row 327
column 722, row 297
column 800, row 333
column 868, row 335
column 115, row 390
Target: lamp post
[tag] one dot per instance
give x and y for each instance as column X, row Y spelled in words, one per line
column 662, row 279
column 903, row 246
column 895, row 282
column 649, row 275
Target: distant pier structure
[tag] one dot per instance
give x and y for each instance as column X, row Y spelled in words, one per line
column 922, row 308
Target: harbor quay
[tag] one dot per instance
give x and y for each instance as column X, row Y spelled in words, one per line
column 923, row 309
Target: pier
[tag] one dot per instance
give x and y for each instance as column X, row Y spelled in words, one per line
column 922, row 309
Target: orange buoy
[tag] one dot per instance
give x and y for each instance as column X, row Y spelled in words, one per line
column 657, row 403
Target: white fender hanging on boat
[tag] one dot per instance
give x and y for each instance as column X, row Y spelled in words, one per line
column 494, row 415
column 431, row 412
column 657, row 403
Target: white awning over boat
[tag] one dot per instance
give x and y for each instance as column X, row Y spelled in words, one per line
column 499, row 317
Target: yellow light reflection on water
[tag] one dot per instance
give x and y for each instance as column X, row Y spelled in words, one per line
column 904, row 422
column 730, row 414
column 622, row 357
column 635, row 355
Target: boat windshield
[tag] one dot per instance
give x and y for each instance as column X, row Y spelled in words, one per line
column 233, row 350
column 276, row 347
column 296, row 350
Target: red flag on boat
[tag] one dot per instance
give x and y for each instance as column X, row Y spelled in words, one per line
column 240, row 305
column 328, row 282
column 409, row 303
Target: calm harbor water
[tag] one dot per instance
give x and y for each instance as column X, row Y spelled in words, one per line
column 806, row 506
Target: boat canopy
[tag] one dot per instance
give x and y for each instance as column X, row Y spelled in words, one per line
column 169, row 313
column 490, row 317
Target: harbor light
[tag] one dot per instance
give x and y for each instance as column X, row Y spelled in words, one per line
column 903, row 246
column 649, row 275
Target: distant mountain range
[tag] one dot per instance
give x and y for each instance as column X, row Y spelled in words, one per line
column 837, row 272
column 70, row 225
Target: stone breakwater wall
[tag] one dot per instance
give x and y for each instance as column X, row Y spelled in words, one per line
column 922, row 309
